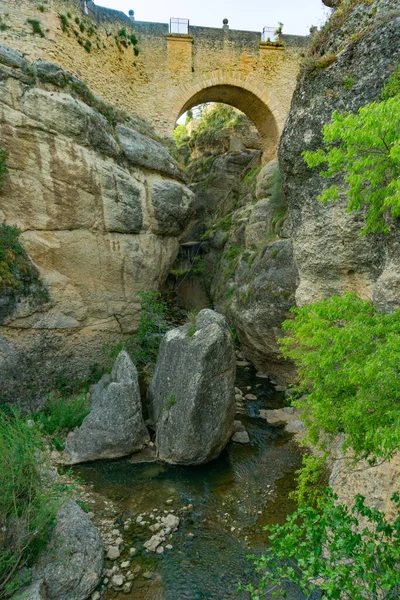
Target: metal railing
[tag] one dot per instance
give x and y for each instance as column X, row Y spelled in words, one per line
column 179, row 26
column 269, row 34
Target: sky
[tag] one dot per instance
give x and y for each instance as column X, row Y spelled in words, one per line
column 296, row 15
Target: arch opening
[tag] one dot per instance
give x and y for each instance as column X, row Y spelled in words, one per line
column 248, row 103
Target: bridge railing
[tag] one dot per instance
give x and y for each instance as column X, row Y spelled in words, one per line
column 179, row 26
column 269, row 34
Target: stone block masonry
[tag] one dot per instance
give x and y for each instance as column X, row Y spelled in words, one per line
column 171, row 73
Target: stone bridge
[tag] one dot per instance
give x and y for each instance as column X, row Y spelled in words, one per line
column 171, row 73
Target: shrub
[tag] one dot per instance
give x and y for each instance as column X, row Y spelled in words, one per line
column 18, row 274
column 348, row 356
column 36, row 27
column 365, row 149
column 329, row 549
column 28, row 501
column 64, row 22
column 87, row 45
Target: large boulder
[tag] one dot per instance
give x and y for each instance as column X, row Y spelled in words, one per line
column 114, row 427
column 192, row 394
column 71, row 566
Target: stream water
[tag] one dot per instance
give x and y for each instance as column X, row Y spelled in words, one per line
column 233, row 498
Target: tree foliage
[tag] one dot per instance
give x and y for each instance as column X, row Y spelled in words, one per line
column 346, row 554
column 348, row 358
column 365, row 148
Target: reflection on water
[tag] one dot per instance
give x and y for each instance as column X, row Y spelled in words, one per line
column 233, row 498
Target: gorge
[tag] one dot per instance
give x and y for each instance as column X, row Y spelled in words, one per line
column 147, row 268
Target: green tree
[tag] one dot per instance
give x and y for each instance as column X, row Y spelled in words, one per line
column 348, row 356
column 347, row 554
column 365, row 148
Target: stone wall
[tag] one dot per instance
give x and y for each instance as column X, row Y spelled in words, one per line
column 171, row 73
column 99, row 205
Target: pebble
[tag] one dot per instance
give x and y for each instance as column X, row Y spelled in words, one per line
column 125, row 564
column 119, row 541
column 160, row 550
column 115, row 532
column 139, row 519
column 127, row 587
column 169, row 501
column 95, row 596
column 132, row 551
column 250, row 397
column 190, row 536
column 117, row 580
column 113, row 552
column 169, row 547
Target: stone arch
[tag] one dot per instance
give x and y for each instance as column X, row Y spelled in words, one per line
column 240, row 96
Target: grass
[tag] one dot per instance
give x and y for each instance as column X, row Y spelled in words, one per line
column 170, row 402
column 28, row 499
column 191, row 331
column 61, row 414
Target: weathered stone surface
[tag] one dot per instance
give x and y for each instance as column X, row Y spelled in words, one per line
column 34, row 591
column 114, row 427
column 173, row 206
column 241, row 437
column 12, row 58
column 266, row 179
column 143, row 151
column 377, row 484
column 71, row 566
column 330, row 254
column 87, row 223
column 192, row 392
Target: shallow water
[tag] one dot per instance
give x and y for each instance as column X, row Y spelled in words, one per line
column 233, row 498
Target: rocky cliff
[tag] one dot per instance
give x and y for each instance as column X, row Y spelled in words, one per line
column 350, row 60
column 100, row 203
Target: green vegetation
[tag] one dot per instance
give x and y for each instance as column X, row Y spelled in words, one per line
column 143, row 347
column 191, row 331
column 28, row 499
column 329, row 548
column 64, row 22
column 169, row 403
column 36, row 27
column 18, row 274
column 347, row 355
column 3, row 26
column 216, row 127
column 87, row 45
column 348, row 82
column 61, row 414
column 180, row 135
column 365, row 149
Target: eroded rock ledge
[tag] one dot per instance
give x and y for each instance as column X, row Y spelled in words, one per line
column 100, row 202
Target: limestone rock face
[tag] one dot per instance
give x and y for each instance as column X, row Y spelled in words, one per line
column 71, row 566
column 254, row 276
column 192, row 395
column 330, row 255
column 114, row 427
column 99, row 206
